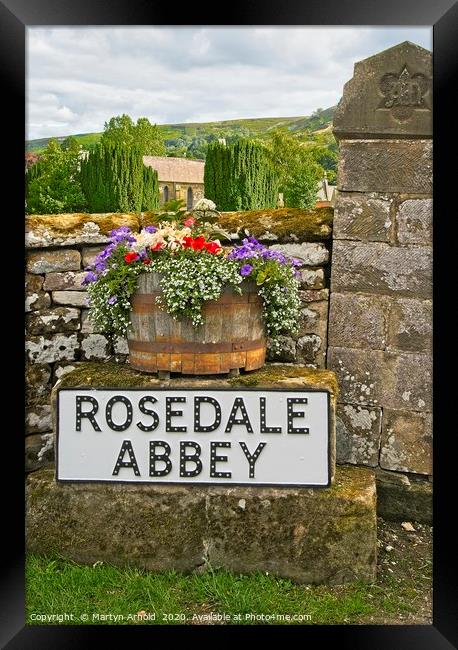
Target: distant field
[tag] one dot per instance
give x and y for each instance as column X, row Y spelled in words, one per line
column 259, row 127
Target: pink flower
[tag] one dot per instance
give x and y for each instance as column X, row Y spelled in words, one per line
column 190, row 221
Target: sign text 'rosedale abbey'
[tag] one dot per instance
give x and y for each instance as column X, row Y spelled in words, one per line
column 194, row 436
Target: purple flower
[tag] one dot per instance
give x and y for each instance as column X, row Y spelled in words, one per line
column 113, row 300
column 90, row 277
column 121, row 235
column 296, row 262
column 246, row 270
column 150, row 229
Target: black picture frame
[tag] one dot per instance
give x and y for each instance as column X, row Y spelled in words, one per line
column 15, row 17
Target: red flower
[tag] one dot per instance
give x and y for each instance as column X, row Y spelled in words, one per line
column 212, row 247
column 198, row 243
column 146, row 260
column 157, row 247
column 131, row 257
column 187, row 242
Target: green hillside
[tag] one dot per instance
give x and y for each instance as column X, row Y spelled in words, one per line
column 190, row 138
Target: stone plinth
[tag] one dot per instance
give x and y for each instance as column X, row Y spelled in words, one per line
column 307, row 535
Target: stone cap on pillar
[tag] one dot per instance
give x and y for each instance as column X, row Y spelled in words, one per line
column 389, row 96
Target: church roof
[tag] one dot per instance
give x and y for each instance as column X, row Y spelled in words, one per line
column 176, row 170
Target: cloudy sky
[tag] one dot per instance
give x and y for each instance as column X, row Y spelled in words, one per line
column 78, row 78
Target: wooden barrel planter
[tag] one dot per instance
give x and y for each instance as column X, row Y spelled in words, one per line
column 232, row 336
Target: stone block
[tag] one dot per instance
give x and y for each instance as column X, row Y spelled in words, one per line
column 71, row 298
column 390, row 95
column 69, row 281
column 95, row 346
column 363, row 218
column 314, row 320
column 37, row 380
column 306, row 535
column 39, row 451
column 53, row 261
column 86, row 325
column 33, row 283
column 403, row 498
column 404, row 166
column 357, row 321
column 311, row 253
column 381, row 269
column 414, row 221
column 38, row 418
column 61, row 369
column 89, row 254
column 308, row 348
column 314, row 295
column 283, row 348
column 120, row 345
column 359, row 373
column 59, row 319
column 50, row 348
column 38, row 300
column 407, row 381
column 406, row 441
column 312, row 278
column 358, row 434
column 410, row 325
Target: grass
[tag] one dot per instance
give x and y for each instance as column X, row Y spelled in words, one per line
column 402, row 593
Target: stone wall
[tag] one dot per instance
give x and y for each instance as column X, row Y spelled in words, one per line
column 59, row 334
column 380, row 321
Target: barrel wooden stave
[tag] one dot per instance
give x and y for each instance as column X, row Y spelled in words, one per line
column 231, row 337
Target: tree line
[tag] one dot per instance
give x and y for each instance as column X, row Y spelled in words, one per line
column 243, row 174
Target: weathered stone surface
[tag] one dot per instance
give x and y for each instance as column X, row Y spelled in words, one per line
column 120, row 345
column 89, row 254
column 308, row 347
column 38, row 418
column 71, row 298
column 314, row 320
column 401, row 498
column 39, row 451
column 46, row 349
column 363, row 218
column 37, row 378
column 61, row 369
column 65, row 281
column 386, row 166
column 39, row 300
column 358, row 434
column 357, row 321
column 70, row 229
column 53, row 261
column 389, row 95
column 406, row 441
column 156, row 527
column 410, row 325
column 94, row 346
column 303, row 534
column 311, row 254
column 359, row 373
column 33, row 283
column 314, row 295
column 381, row 269
column 282, row 349
column 59, row 319
column 312, row 278
column 86, row 325
column 407, row 381
column 414, row 221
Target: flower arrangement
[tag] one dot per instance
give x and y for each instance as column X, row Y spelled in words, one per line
column 194, row 268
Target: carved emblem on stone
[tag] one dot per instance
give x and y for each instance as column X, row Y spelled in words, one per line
column 403, row 93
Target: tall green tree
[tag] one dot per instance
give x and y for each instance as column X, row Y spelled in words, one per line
column 114, row 179
column 240, row 176
column 52, row 184
column 147, row 137
column 298, row 171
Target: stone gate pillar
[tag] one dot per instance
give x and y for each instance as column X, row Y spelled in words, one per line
column 381, row 280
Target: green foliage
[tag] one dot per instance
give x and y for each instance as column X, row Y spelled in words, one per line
column 52, row 184
column 143, row 135
column 240, row 176
column 298, row 171
column 114, row 179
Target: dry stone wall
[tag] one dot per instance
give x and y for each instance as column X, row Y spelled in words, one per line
column 380, row 322
column 59, row 334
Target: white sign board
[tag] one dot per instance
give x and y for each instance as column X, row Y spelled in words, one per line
column 235, row 437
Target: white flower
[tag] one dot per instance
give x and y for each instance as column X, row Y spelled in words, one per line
column 204, row 204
